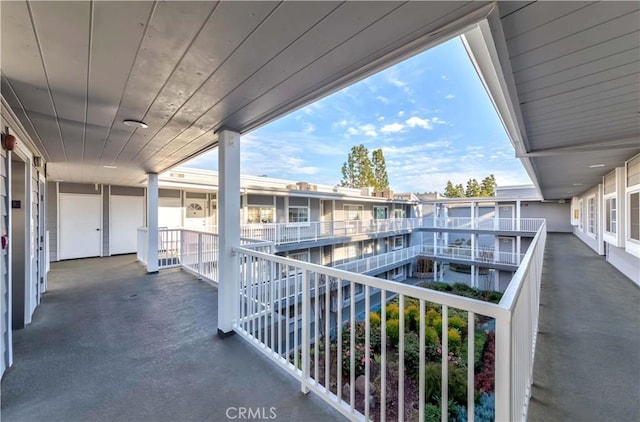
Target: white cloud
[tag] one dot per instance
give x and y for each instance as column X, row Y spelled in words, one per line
column 308, row 128
column 450, row 97
column 444, row 77
column 341, row 123
column 383, row 100
column 418, row 122
column 401, row 113
column 352, row 131
column 392, row 128
column 371, row 133
column 438, row 121
column 396, row 82
column 380, row 118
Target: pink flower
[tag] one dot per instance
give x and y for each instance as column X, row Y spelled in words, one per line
column 439, row 350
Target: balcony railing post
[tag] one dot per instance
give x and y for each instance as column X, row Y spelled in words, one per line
column 503, row 367
column 306, row 335
column 200, row 263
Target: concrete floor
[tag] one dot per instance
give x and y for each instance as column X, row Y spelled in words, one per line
column 111, row 343
column 587, row 365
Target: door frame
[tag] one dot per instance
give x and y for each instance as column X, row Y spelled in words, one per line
column 100, row 197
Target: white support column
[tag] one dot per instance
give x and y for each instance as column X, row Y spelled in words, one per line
column 229, row 229
column 472, row 209
column 435, row 270
column 518, row 215
column 474, row 282
column 518, row 249
column 152, row 222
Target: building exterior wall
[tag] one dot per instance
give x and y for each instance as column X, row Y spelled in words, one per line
column 589, row 230
column 556, row 214
column 626, row 263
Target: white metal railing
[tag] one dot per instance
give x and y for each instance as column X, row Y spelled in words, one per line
column 142, row 253
column 378, row 261
column 481, row 255
column 516, row 336
column 292, row 325
column 529, row 225
column 281, row 233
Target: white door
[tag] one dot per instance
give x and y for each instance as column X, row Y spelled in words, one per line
column 195, row 214
column 127, row 214
column 506, row 250
column 80, row 226
column 506, row 215
column 169, row 212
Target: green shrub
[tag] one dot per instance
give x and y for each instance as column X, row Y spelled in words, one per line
column 457, row 383
column 478, row 348
column 411, row 318
column 374, row 320
column 458, row 323
column 431, row 336
column 455, row 341
column 393, row 311
column 412, row 355
column 393, row 331
column 431, row 315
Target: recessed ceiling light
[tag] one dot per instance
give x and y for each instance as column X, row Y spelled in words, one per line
column 577, row 184
column 592, row 166
column 135, row 123
column 110, row 167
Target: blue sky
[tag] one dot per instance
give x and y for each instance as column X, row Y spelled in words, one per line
column 430, row 115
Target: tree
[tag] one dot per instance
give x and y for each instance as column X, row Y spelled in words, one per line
column 380, row 177
column 488, row 186
column 473, row 189
column 357, row 171
column 452, row 191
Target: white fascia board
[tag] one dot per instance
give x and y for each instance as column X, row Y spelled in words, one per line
column 486, row 47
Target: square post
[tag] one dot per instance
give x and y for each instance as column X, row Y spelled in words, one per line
column 152, row 223
column 229, row 229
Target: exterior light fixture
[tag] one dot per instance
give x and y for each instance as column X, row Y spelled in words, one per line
column 135, row 123
column 110, row 167
column 592, row 166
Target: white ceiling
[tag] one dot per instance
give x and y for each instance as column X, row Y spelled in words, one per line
column 72, row 71
column 575, row 74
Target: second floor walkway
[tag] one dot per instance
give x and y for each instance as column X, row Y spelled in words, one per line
column 587, row 364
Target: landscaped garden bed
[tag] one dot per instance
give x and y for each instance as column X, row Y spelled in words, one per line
column 457, row 329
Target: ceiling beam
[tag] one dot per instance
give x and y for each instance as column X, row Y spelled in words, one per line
column 619, row 144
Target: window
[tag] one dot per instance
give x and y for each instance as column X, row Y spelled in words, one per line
column 298, row 214
column 581, row 216
column 397, row 273
column 260, row 215
column 591, row 217
column 634, row 216
column 380, row 213
column 398, row 242
column 398, row 213
column 195, row 210
column 610, row 215
column 300, row 256
column 352, row 212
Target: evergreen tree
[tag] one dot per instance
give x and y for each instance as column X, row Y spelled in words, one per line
column 452, row 191
column 357, row 171
column 380, row 177
column 488, row 186
column 473, row 188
